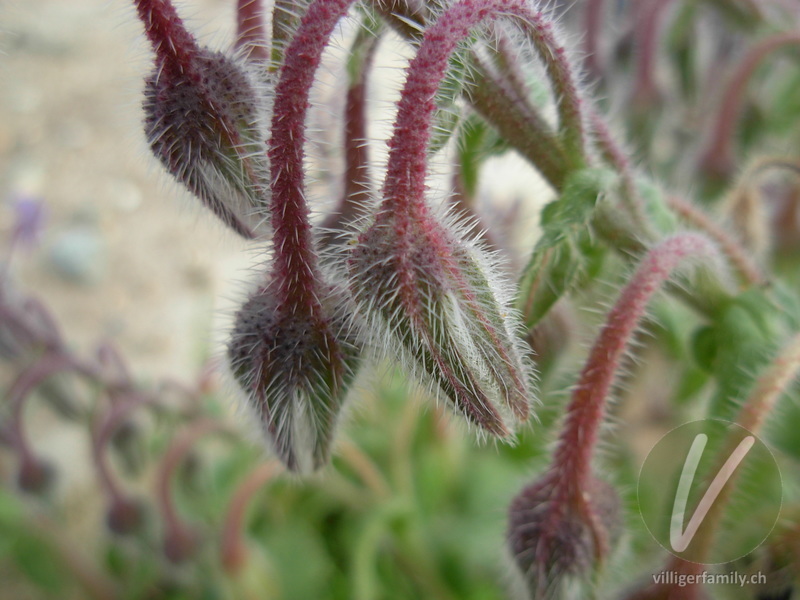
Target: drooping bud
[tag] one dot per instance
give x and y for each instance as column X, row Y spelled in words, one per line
column 296, row 370
column 556, row 537
column 429, row 299
column 35, row 476
column 207, row 121
column 290, row 350
column 125, row 516
column 564, row 525
column 427, row 292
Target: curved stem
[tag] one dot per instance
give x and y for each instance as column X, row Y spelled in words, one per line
column 524, row 129
column 173, row 457
column 737, row 256
column 233, row 551
column 250, row 32
column 718, row 158
column 295, row 266
column 47, row 366
column 405, row 178
column 101, row 434
column 573, row 456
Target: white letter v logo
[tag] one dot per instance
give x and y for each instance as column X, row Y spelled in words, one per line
column 678, row 539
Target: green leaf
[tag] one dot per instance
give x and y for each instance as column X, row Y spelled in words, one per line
column 743, row 341
column 565, row 254
column 36, row 560
column 477, row 141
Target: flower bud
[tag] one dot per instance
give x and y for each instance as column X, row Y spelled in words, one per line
column 428, row 296
column 295, row 368
column 207, row 120
column 35, row 476
column 180, row 544
column 557, row 534
column 124, row 516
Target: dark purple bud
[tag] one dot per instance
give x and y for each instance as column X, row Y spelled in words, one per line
column 180, row 544
column 207, row 120
column 556, row 537
column 296, row 371
column 125, row 516
column 35, row 476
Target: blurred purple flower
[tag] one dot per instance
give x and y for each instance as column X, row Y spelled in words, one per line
column 29, row 218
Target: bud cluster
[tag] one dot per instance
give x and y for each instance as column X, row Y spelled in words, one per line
column 413, row 284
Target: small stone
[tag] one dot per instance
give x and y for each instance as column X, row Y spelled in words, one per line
column 78, row 256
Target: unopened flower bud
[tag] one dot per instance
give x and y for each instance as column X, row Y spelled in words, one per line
column 207, row 117
column 430, row 297
column 35, row 476
column 124, row 516
column 558, row 535
column 295, row 369
column 180, row 544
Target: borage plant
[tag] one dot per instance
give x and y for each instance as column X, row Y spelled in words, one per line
column 394, row 273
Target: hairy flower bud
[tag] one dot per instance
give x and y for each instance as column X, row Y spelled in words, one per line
column 207, row 120
column 35, row 476
column 296, row 370
column 555, row 535
column 125, row 516
column 428, row 295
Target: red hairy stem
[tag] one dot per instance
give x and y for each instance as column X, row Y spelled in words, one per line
column 250, row 32
column 573, row 456
column 614, row 155
column 405, row 179
column 492, row 97
column 357, row 189
column 507, row 63
column 732, row 249
column 593, row 22
column 232, row 546
column 101, row 433
column 295, row 262
column 647, row 34
column 524, row 129
column 173, row 44
column 718, row 158
column 179, row 537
